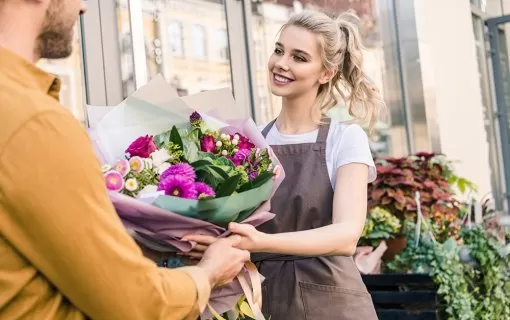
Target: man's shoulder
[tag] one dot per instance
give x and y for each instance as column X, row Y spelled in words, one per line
column 20, row 104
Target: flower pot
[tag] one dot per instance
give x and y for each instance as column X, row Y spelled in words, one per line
column 368, row 259
column 394, row 247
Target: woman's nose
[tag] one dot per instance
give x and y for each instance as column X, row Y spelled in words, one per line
column 282, row 63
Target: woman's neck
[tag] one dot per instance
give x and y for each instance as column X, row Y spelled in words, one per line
column 298, row 115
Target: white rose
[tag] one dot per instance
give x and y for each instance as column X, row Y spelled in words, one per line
column 162, row 168
column 160, row 156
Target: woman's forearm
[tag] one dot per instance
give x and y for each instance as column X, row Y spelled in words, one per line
column 334, row 239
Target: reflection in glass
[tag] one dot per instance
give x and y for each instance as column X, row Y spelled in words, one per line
column 185, row 40
column 199, row 41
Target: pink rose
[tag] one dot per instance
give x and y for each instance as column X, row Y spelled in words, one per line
column 207, row 144
column 244, row 143
column 142, row 147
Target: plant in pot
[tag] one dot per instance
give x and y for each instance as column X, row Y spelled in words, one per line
column 398, row 180
column 380, row 226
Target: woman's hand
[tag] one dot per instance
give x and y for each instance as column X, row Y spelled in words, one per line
column 251, row 239
column 202, row 243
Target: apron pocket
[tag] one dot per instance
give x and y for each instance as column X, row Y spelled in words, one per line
column 323, row 302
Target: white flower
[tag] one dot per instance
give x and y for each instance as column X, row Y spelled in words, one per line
column 131, row 184
column 223, row 136
column 149, row 193
column 236, row 150
column 162, row 168
column 148, row 189
column 160, row 156
column 236, row 137
column 219, row 144
column 235, row 142
column 224, row 152
column 105, row 168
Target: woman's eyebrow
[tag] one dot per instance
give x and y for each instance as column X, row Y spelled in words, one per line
column 278, row 44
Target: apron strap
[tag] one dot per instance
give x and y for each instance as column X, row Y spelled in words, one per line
column 322, row 136
column 267, row 128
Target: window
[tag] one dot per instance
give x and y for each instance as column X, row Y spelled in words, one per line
column 175, row 38
column 222, row 43
column 199, row 41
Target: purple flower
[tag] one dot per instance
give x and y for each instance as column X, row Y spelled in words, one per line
column 253, row 175
column 207, row 143
column 142, row 147
column 204, row 190
column 178, row 186
column 195, row 118
column 240, row 157
column 180, row 169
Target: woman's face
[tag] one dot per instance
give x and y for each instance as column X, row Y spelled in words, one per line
column 295, row 67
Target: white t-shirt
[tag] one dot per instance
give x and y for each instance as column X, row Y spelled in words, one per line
column 346, row 143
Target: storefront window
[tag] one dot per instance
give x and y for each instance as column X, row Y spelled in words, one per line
column 185, row 41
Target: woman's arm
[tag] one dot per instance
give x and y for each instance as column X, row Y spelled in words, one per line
column 339, row 238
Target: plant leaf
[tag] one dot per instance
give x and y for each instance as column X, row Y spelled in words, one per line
column 260, row 180
column 218, row 171
column 200, row 164
column 228, row 186
column 175, row 137
column 161, row 140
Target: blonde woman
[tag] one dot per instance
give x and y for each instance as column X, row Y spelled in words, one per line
column 305, row 253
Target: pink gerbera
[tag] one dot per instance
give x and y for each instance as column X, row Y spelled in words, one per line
column 180, row 169
column 204, row 190
column 178, row 186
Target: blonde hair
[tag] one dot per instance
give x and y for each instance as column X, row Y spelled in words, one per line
column 342, row 51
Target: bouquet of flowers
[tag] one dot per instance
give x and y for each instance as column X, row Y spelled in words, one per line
column 171, row 170
column 196, row 172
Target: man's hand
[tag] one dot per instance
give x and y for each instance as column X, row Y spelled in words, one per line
column 222, row 262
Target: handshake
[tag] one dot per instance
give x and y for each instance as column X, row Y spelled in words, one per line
column 221, row 258
column 222, row 262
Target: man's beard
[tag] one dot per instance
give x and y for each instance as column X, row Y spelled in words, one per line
column 55, row 40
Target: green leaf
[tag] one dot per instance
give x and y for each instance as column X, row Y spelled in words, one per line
column 200, row 164
column 259, row 181
column 161, row 140
column 219, row 171
column 228, row 186
column 175, row 137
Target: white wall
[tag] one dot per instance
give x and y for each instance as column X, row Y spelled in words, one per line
column 451, row 84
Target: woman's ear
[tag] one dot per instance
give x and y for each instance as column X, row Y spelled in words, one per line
column 327, row 75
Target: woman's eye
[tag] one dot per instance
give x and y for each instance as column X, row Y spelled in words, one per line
column 278, row 51
column 299, row 59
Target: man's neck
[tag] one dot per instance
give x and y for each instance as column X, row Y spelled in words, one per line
column 16, row 35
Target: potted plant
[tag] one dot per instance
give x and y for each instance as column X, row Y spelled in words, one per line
column 380, row 226
column 398, row 180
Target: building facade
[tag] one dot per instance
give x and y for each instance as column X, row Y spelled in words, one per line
column 431, row 59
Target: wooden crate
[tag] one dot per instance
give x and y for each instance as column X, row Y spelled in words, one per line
column 404, row 296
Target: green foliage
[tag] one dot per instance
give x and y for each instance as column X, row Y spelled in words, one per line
column 476, row 290
column 379, row 225
column 490, row 275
